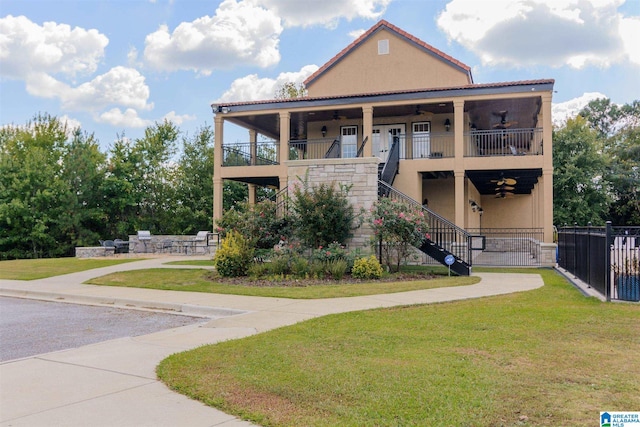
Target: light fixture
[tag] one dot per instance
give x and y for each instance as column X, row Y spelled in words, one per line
column 225, row 110
column 324, row 131
column 219, row 109
column 447, row 125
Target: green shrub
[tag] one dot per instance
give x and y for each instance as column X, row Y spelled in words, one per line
column 260, row 223
column 257, row 270
column 316, row 269
column 322, row 214
column 234, row 256
column 367, row 268
column 337, row 268
column 299, row 267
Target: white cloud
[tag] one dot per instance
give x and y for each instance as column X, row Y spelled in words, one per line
column 26, row 48
column 239, row 34
column 120, row 86
column 127, row 118
column 297, row 13
column 356, row 33
column 522, row 33
column 72, row 124
column 567, row 110
column 253, row 88
column 178, row 119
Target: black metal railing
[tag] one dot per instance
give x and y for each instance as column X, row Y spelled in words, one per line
column 606, row 258
column 435, row 145
column 250, row 154
column 443, row 233
column 508, row 247
column 361, row 149
column 503, row 142
column 390, row 168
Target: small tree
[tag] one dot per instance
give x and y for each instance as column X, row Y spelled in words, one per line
column 399, row 227
column 322, row 214
column 259, row 223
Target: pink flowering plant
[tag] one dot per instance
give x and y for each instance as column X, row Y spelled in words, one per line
column 399, row 227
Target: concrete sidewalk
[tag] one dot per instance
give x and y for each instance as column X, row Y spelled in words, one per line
column 113, row 383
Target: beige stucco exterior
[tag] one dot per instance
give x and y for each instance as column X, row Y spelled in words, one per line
column 473, row 135
column 359, row 72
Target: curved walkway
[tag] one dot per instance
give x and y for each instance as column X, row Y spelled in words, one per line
column 113, row 383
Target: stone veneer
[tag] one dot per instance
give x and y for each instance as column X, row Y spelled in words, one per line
column 360, row 173
column 94, row 251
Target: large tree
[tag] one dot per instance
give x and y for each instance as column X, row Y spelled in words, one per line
column 580, row 192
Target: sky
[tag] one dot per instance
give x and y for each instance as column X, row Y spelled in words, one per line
column 115, row 67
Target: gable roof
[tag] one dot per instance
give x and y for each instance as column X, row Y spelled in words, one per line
column 400, row 33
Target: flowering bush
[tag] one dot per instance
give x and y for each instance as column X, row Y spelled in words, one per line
column 259, row 223
column 399, row 227
column 334, row 252
column 322, row 214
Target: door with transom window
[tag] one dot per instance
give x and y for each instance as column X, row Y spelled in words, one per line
column 349, row 141
column 421, row 137
column 383, row 139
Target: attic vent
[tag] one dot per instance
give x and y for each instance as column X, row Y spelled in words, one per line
column 383, row 47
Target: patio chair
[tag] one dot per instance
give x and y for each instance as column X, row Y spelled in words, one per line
column 165, row 246
column 122, row 247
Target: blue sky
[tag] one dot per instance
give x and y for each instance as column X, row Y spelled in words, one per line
column 114, row 67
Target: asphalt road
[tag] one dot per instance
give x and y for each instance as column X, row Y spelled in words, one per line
column 30, row 327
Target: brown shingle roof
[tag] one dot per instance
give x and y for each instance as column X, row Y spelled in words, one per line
column 396, row 30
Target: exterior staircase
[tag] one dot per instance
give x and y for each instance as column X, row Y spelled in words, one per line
column 446, row 238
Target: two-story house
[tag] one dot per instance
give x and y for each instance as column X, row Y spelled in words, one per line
column 480, row 155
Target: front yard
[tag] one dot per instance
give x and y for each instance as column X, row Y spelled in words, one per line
column 545, row 357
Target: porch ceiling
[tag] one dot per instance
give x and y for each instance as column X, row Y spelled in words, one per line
column 485, row 180
column 520, row 112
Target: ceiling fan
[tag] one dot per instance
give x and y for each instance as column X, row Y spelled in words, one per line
column 504, row 123
column 420, row 112
column 337, row 117
column 504, row 195
column 504, row 181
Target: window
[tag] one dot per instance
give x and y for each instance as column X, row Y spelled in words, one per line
column 383, row 47
column 349, row 141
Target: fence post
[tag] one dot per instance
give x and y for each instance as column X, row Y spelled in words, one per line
column 575, row 250
column 607, row 257
column 589, row 252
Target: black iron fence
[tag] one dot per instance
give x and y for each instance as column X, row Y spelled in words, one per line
column 604, row 257
column 507, row 247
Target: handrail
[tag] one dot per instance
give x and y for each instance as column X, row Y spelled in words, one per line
column 334, row 150
column 443, row 232
column 247, row 158
column 281, row 200
column 390, row 168
column 361, row 149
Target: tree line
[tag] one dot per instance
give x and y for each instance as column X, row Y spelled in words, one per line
column 596, row 159
column 58, row 190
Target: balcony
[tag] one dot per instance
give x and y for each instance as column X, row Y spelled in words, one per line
column 503, row 142
column 264, row 153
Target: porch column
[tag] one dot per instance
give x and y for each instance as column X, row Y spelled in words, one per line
column 458, row 163
column 253, row 149
column 252, row 194
column 217, row 167
column 367, row 130
column 547, row 168
column 459, row 199
column 285, row 133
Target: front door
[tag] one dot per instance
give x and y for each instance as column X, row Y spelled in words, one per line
column 349, row 141
column 383, row 139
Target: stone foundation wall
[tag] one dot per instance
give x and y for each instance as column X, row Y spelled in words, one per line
column 360, row 173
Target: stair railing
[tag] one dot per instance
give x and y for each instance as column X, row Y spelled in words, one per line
column 361, row 149
column 444, row 233
column 393, row 162
column 334, row 150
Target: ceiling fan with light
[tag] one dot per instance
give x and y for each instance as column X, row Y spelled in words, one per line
column 504, row 123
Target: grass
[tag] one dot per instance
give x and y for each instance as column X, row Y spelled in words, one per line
column 195, row 280
column 31, row 269
column 541, row 358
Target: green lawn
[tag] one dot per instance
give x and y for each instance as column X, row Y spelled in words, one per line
column 195, row 280
column 31, row 269
column 548, row 357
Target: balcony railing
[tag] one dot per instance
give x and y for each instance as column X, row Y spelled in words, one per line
column 503, row 142
column 428, row 146
column 250, row 154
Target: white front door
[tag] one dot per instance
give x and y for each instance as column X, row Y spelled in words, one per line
column 383, row 140
column 349, row 141
column 421, row 137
